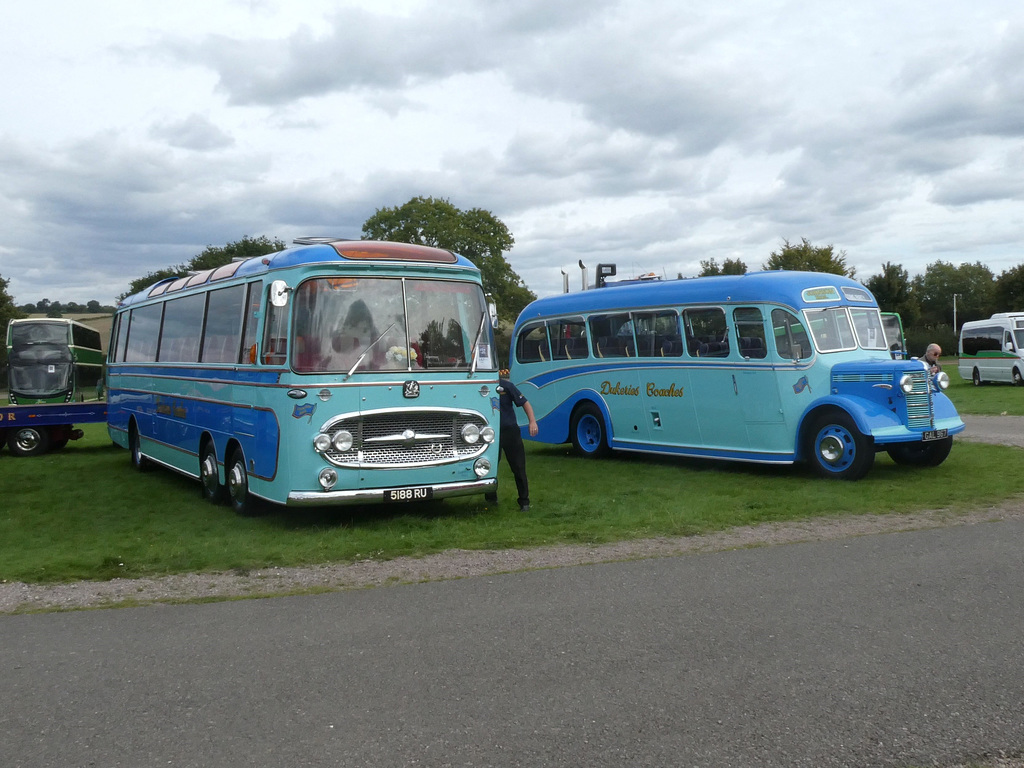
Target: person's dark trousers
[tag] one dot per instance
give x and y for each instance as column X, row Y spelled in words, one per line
column 512, row 447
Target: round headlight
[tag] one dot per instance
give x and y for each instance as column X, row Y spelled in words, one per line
column 471, row 433
column 322, row 443
column 907, row 383
column 343, row 441
column 942, row 379
column 481, row 467
column 487, row 434
column 328, row 477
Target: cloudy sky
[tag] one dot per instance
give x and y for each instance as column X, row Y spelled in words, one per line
column 649, row 133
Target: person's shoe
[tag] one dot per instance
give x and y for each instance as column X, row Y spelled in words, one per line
column 524, row 507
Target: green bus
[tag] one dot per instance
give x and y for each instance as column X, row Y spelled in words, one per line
column 53, row 360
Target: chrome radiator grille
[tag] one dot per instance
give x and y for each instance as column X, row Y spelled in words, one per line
column 410, row 438
column 919, row 401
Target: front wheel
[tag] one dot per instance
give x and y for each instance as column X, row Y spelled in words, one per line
column 1018, row 380
column 589, row 436
column 28, row 441
column 929, row 454
column 837, row 449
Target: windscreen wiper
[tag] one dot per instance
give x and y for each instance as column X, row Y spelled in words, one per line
column 366, row 352
column 476, row 343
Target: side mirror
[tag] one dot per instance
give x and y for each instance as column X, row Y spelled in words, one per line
column 279, row 291
column 492, row 310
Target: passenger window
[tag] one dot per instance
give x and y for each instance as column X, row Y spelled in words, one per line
column 612, row 335
column 750, row 330
column 657, row 334
column 532, row 344
column 568, row 339
column 791, row 341
column 707, row 334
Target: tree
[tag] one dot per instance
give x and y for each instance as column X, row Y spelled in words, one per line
column 209, row 258
column 894, row 292
column 476, row 234
column 729, row 267
column 809, row 258
column 973, row 284
column 1009, row 292
column 8, row 311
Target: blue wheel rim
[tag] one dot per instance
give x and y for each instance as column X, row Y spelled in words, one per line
column 835, row 448
column 588, row 433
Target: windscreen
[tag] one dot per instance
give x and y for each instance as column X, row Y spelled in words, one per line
column 381, row 324
column 831, row 329
column 40, row 370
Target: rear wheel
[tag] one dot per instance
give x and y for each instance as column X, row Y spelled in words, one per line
column 209, row 474
column 589, row 436
column 976, row 377
column 28, row 441
column 929, row 454
column 238, row 486
column 139, row 462
column 837, row 449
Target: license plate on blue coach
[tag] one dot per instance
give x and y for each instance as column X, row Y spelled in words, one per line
column 408, row 494
column 934, row 434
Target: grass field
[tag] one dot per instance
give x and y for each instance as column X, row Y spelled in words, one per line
column 82, row 513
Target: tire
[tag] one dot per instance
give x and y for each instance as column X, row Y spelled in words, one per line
column 139, row 462
column 836, row 449
column 588, row 433
column 1018, row 380
column 929, row 454
column 237, row 480
column 976, row 377
column 209, row 475
column 28, row 441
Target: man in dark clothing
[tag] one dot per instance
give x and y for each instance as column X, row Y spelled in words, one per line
column 512, row 439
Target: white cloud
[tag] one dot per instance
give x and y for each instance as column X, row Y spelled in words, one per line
column 643, row 132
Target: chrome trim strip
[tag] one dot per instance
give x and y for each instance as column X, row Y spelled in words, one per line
column 376, row 495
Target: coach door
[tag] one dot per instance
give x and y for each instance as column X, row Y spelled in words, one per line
column 757, row 384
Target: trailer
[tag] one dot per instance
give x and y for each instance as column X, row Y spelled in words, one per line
column 31, row 430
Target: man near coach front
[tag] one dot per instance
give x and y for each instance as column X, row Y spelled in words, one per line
column 512, row 439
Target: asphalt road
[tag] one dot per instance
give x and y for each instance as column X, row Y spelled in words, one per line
column 900, row 649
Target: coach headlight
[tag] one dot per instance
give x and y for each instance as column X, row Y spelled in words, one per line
column 487, row 434
column 343, row 441
column 481, row 467
column 328, row 478
column 322, row 443
column 907, row 383
column 471, row 433
column 942, row 379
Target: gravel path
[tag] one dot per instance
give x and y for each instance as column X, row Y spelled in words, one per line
column 454, row 564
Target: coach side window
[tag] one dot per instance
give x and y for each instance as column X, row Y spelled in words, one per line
column 657, row 334
column 612, row 335
column 568, row 337
column 143, row 333
column 791, row 341
column 707, row 334
column 532, row 344
column 183, row 328
column 223, row 325
column 275, row 335
column 750, row 330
